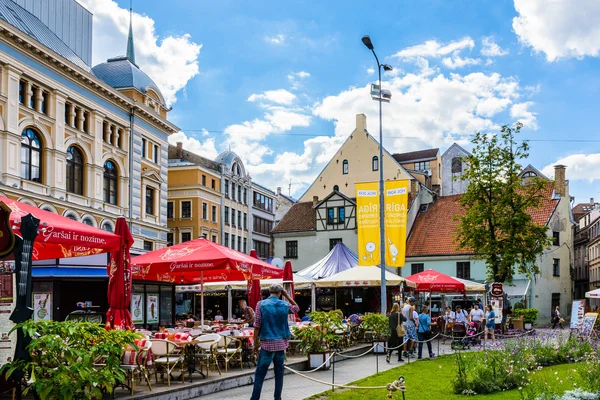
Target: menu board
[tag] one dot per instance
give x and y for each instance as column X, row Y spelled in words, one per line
column 588, row 324
column 42, row 306
column 577, row 314
column 497, row 303
column 136, row 308
column 6, row 288
column 152, row 308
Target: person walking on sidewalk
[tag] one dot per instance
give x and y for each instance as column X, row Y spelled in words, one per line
column 396, row 318
column 490, row 324
column 271, row 335
column 410, row 328
column 556, row 319
column 424, row 332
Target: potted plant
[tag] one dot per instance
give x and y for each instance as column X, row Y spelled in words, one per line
column 379, row 325
column 530, row 315
column 318, row 339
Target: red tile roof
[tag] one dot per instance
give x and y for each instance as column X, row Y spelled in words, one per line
column 416, row 155
column 434, row 230
column 581, row 209
column 301, row 217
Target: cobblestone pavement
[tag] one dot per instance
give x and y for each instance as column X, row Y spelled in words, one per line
column 296, row 387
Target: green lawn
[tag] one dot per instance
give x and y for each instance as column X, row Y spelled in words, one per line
column 431, row 379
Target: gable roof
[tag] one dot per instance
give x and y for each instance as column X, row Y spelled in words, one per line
column 427, row 154
column 456, row 145
column 531, row 168
column 582, row 209
column 353, row 201
column 193, row 158
column 300, row 217
column 433, row 231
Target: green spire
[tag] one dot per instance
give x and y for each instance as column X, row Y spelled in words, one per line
column 130, row 48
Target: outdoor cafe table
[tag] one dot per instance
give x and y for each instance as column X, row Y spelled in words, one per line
column 247, row 352
column 189, row 355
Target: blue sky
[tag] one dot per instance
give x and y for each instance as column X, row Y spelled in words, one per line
column 280, row 84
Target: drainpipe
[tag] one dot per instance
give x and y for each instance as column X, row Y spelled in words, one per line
column 131, row 154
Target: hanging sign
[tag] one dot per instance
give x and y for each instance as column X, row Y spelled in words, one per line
column 396, row 212
column 367, row 219
column 497, row 289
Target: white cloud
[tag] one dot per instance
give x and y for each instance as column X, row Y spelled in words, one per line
column 279, row 96
column 170, row 61
column 584, row 167
column 457, row 62
column 429, row 110
column 370, row 71
column 491, row 49
column 521, row 113
column 559, row 28
column 296, row 78
column 204, row 148
column 276, row 40
column 432, row 48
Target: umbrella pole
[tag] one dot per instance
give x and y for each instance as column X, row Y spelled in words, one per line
column 202, row 300
column 429, row 304
column 313, row 298
column 229, row 302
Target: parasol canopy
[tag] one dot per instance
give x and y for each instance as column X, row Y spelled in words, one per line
column 361, row 276
column 593, row 294
column 61, row 237
column 253, row 288
column 433, row 281
column 200, row 261
column 119, row 281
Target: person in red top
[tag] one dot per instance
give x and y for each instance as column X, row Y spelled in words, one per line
column 271, row 335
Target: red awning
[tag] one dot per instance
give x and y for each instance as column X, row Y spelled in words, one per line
column 61, row 237
column 433, row 281
column 199, row 261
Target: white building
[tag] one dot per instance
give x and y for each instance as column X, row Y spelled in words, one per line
column 453, row 167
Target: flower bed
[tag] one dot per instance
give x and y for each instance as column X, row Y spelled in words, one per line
column 509, row 365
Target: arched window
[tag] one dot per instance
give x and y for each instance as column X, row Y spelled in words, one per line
column 71, row 216
column 107, row 227
column 375, row 163
column 336, row 188
column 74, row 170
column 110, row 182
column 345, row 167
column 88, row 221
column 31, row 156
column 529, row 174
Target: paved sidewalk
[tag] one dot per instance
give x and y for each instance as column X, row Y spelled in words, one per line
column 296, row 387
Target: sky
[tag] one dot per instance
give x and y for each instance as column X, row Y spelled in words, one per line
column 280, row 83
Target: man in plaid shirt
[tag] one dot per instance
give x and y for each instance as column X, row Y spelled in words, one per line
column 271, row 334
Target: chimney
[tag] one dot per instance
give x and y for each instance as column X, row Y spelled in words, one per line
column 315, row 200
column 560, row 185
column 179, row 149
column 414, row 186
column 279, row 191
column 361, row 123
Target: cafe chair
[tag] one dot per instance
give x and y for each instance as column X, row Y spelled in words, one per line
column 228, row 350
column 204, row 354
column 166, row 357
column 134, row 362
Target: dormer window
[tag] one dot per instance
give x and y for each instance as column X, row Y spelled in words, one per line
column 529, row 174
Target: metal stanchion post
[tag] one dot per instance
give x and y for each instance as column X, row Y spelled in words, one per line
column 333, row 373
column 377, row 361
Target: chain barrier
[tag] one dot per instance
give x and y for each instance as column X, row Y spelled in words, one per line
column 531, row 332
column 358, row 356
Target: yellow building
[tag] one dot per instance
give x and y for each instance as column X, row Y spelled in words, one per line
column 356, row 161
column 194, row 197
column 425, row 166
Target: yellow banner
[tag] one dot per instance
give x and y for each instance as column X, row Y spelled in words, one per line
column 396, row 211
column 367, row 219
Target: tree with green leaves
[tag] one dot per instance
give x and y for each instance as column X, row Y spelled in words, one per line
column 497, row 224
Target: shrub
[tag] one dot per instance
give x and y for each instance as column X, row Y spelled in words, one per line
column 63, row 355
column 530, row 315
column 377, row 323
column 320, row 335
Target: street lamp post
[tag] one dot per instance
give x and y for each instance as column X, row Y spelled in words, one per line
column 367, row 42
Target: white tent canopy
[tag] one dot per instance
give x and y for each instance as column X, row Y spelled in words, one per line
column 361, row 276
column 471, row 286
column 593, row 294
column 300, row 282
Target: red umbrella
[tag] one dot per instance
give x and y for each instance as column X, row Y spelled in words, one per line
column 200, row 261
column 119, row 281
column 61, row 237
column 288, row 284
column 254, row 291
column 433, row 281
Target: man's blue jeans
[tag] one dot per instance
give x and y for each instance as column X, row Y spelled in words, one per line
column 264, row 361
